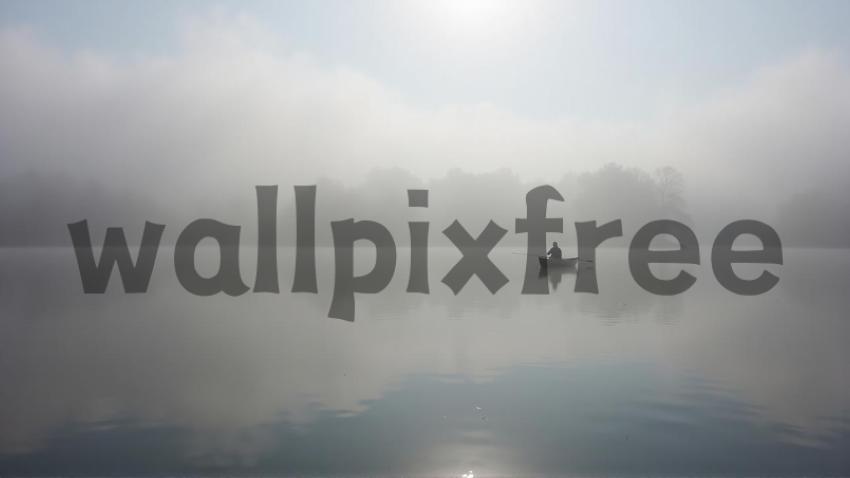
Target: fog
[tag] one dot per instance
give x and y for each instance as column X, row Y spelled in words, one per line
column 171, row 138
column 170, row 383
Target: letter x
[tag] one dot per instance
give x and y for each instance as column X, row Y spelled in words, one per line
column 475, row 260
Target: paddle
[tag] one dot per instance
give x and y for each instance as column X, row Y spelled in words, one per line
column 538, row 255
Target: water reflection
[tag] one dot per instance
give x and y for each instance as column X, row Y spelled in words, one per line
column 555, row 275
column 622, row 382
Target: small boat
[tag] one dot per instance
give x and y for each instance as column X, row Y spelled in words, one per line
column 565, row 263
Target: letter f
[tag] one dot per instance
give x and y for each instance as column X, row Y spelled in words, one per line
column 536, row 225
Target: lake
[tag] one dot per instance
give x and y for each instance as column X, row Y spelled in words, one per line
column 620, row 383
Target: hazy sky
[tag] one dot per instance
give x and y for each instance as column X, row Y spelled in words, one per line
column 537, row 58
column 753, row 96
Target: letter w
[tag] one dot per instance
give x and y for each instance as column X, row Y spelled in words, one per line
column 95, row 277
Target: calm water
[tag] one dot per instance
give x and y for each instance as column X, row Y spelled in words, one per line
column 620, row 383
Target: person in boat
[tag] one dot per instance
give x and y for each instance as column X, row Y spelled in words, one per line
column 554, row 252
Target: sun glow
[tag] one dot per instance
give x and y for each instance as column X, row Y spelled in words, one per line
column 469, row 21
column 473, row 16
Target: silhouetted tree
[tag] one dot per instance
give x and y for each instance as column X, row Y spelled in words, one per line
column 670, row 185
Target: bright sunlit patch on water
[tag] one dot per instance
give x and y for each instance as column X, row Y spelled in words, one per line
column 468, row 474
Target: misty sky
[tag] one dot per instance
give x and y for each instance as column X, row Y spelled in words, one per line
column 749, row 100
column 541, row 59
